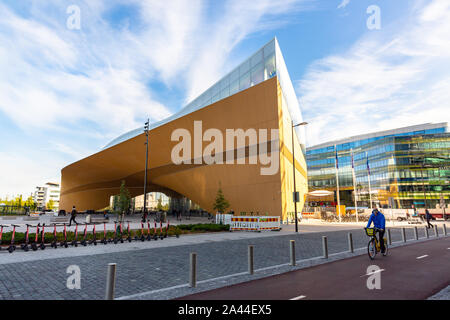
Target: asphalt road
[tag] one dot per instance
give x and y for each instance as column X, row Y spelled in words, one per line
column 411, row 272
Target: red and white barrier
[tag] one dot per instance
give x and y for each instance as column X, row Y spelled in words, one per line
column 255, row 223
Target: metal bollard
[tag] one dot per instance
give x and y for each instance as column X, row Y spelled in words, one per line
column 250, row 260
column 325, row 247
column 389, row 238
column 444, row 228
column 110, row 281
column 292, row 250
column 350, row 243
column 403, row 234
column 426, row 233
column 436, row 231
column 193, row 270
column 416, row 233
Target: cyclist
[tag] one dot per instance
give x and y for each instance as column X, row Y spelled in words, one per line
column 379, row 222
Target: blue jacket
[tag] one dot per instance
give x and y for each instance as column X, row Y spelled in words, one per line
column 378, row 221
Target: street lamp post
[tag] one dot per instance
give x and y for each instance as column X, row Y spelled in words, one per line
column 293, row 169
column 146, row 129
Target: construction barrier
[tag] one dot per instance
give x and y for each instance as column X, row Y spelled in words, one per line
column 255, row 223
column 223, row 218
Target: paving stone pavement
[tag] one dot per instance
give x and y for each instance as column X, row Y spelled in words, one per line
column 444, row 294
column 158, row 268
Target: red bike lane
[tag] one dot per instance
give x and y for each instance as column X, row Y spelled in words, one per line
column 413, row 271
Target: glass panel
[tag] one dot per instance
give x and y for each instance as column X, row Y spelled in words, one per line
column 215, row 89
column 257, row 74
column 244, row 68
column 257, row 58
column 234, row 75
column 224, row 83
column 270, row 69
column 206, row 98
column 215, row 98
column 269, row 49
column 234, row 87
column 225, row 93
column 244, row 82
column 201, row 99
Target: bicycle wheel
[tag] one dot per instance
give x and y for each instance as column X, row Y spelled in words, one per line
column 371, row 249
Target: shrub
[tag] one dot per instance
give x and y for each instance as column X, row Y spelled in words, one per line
column 205, row 227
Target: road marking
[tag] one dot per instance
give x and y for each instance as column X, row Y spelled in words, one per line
column 298, row 298
column 421, row 257
column 369, row 274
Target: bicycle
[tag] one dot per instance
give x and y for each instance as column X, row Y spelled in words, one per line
column 373, row 246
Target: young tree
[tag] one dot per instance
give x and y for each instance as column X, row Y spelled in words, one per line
column 30, row 203
column 124, row 198
column 18, row 201
column 50, row 204
column 159, row 206
column 221, row 204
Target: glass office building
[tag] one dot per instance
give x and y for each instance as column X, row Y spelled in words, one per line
column 407, row 167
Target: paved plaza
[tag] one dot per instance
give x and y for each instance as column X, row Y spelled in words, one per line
column 145, row 270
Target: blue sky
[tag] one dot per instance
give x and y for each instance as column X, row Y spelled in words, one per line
column 65, row 93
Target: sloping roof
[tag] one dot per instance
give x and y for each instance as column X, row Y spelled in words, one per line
column 264, row 64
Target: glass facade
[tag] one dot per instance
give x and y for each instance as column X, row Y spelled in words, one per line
column 406, row 169
column 266, row 63
column 259, row 67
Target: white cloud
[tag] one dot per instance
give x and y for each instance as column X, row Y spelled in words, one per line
column 51, row 78
column 92, row 82
column 217, row 38
column 20, row 175
column 343, row 4
column 396, row 77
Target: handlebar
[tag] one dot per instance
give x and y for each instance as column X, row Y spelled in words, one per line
column 374, row 228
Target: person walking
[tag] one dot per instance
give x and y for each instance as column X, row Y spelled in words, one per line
column 144, row 216
column 73, row 215
column 429, row 217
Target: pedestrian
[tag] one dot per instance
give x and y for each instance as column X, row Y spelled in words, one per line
column 73, row 214
column 428, row 216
